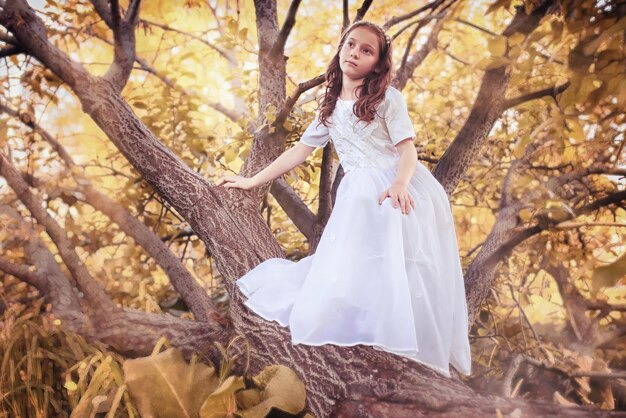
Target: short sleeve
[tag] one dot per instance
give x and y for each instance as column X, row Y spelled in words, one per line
column 316, row 134
column 397, row 119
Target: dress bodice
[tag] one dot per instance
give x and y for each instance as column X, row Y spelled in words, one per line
column 364, row 144
column 359, row 143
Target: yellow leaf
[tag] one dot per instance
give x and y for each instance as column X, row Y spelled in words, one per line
column 491, row 63
column 609, row 275
column 165, row 385
column 222, row 401
column 517, row 38
column 281, row 388
column 70, row 386
column 497, row 46
column 520, row 146
column 270, row 113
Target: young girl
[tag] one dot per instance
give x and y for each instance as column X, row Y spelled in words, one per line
column 386, row 271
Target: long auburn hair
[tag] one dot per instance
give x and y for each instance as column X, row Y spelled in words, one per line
column 369, row 94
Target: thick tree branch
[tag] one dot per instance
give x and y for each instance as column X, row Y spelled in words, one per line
column 487, row 106
column 604, row 306
column 115, row 15
column 507, row 233
column 124, row 49
column 294, row 207
column 325, row 201
column 239, row 248
column 279, row 45
column 338, row 176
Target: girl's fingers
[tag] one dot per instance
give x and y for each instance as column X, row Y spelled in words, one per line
column 382, row 197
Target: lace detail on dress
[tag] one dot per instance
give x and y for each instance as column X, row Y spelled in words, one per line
column 353, row 140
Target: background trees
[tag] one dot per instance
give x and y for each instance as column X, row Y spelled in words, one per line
column 116, row 119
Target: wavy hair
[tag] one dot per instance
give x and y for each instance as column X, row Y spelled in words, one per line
column 369, row 94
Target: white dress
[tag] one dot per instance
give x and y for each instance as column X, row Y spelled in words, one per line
column 379, row 277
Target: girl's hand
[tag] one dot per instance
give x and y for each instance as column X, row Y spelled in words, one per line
column 239, row 182
column 399, row 197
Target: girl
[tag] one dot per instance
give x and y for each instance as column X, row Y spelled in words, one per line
column 386, row 271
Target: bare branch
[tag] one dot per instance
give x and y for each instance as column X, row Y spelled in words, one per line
column 360, row 13
column 195, row 296
column 408, row 66
column 609, row 336
column 291, row 100
column 10, row 50
column 346, row 15
column 525, row 233
column 409, row 43
column 475, row 26
column 603, row 306
column 279, row 45
column 85, row 281
column 103, row 11
column 133, row 12
column 45, row 274
column 229, row 113
column 223, row 52
column 20, row 271
column 115, row 15
column 6, row 38
column 522, row 358
column 395, row 20
column 550, row 91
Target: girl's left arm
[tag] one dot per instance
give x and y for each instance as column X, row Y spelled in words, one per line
column 398, row 192
column 408, row 161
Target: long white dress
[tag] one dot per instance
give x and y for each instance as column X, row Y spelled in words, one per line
column 378, row 277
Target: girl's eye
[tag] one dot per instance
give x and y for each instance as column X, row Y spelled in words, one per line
column 368, row 51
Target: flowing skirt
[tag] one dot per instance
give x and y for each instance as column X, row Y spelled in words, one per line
column 378, row 277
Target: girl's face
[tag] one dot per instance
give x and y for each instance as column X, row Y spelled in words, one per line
column 359, row 53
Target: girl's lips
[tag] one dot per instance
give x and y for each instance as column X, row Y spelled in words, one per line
column 351, row 63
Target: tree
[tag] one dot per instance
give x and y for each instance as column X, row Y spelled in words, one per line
column 342, row 381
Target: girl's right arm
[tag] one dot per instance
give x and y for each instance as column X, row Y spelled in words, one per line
column 289, row 159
